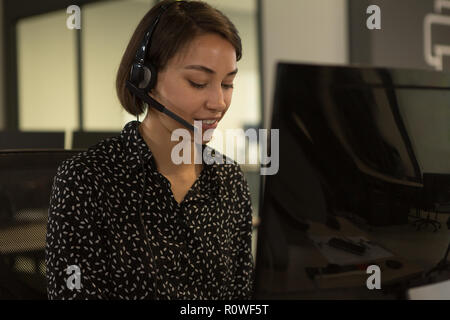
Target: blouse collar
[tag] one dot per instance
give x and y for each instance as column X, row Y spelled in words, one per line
column 138, row 154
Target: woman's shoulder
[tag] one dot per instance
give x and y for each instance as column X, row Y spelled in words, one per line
column 97, row 159
column 109, row 155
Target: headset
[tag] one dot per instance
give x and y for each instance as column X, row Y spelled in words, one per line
column 143, row 74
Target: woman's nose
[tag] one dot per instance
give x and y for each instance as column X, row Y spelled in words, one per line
column 216, row 100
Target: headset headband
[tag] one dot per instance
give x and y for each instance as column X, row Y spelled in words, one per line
column 142, row 50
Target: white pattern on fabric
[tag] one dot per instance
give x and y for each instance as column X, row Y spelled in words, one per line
column 200, row 248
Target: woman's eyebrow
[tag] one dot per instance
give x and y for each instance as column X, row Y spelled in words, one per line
column 208, row 70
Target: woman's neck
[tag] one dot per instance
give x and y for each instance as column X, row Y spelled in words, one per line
column 158, row 139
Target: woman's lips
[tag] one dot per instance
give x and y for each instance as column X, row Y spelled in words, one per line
column 206, row 126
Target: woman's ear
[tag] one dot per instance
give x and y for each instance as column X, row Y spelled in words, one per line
column 153, row 93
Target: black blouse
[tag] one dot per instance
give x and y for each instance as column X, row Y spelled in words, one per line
column 197, row 249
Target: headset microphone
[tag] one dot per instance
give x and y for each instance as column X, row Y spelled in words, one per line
column 152, row 102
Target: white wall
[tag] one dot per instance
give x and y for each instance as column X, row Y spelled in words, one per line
column 311, row 31
column 2, row 71
column 107, row 28
column 47, row 74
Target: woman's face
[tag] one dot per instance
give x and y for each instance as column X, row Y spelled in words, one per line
column 197, row 83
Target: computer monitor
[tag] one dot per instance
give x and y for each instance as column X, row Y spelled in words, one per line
column 353, row 142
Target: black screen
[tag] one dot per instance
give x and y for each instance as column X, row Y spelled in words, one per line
column 353, row 142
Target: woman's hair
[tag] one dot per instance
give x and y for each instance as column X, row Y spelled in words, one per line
column 177, row 27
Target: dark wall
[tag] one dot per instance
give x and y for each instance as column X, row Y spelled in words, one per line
column 400, row 42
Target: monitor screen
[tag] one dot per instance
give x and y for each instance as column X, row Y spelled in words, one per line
column 353, row 142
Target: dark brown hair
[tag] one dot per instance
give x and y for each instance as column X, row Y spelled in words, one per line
column 178, row 26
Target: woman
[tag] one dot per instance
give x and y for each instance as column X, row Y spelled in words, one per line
column 125, row 220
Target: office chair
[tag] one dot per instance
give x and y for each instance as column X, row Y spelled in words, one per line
column 12, row 140
column 25, row 187
column 86, row 139
column 427, row 221
column 435, row 199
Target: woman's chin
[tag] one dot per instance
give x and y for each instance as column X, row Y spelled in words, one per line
column 204, row 141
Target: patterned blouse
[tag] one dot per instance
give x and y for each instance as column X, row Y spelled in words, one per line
column 102, row 245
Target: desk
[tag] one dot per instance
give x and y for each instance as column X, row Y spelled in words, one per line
column 294, row 282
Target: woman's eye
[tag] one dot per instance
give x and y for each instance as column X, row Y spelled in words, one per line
column 228, row 86
column 197, row 85
column 201, row 86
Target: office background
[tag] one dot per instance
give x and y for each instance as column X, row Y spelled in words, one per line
column 71, row 78
column 56, row 79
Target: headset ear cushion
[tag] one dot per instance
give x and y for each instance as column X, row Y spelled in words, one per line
column 151, row 75
column 137, row 74
column 143, row 77
column 144, row 80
